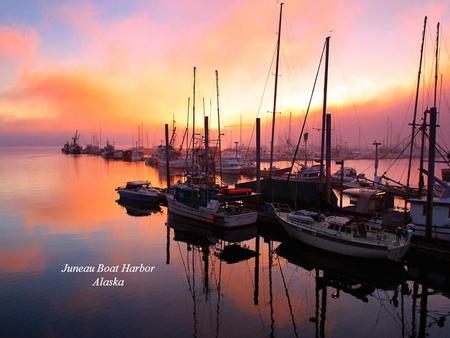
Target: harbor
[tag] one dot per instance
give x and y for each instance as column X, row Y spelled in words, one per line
column 235, row 169
column 279, row 286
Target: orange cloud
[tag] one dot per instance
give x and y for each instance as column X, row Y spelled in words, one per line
column 137, row 67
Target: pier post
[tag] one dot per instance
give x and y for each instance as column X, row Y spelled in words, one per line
column 328, row 158
column 166, row 129
column 376, row 144
column 258, row 155
column 431, row 160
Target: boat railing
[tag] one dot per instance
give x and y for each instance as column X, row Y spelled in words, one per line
column 281, row 207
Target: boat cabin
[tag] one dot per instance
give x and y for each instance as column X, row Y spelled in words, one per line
column 364, row 201
column 134, row 185
column 441, row 214
column 306, row 172
column 194, row 197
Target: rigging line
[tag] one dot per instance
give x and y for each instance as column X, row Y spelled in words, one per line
column 439, row 148
column 262, row 98
column 292, row 51
column 394, row 315
column 184, row 265
column 389, row 151
column 288, row 298
column 218, row 295
column 442, row 139
column 347, row 87
column 306, row 115
column 401, row 153
column 446, row 103
column 405, row 113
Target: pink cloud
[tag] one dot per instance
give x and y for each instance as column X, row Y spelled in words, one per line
column 17, row 45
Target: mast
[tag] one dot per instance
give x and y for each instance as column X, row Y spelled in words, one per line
column 187, row 133
column 206, row 145
column 436, row 66
column 432, row 149
column 413, row 125
column 218, row 128
column 193, row 120
column 328, row 159
column 324, row 111
column 430, row 185
column 422, row 152
column 275, row 91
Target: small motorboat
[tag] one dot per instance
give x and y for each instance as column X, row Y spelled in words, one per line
column 140, row 191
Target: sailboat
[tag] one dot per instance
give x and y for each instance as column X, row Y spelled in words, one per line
column 342, row 235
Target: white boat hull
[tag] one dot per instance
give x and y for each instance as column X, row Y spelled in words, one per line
column 341, row 246
column 138, row 195
column 210, row 217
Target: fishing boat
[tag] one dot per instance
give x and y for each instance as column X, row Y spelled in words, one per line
column 341, row 235
column 108, row 151
column 72, row 148
column 140, row 191
column 208, row 203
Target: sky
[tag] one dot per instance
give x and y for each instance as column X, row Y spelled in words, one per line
column 110, row 65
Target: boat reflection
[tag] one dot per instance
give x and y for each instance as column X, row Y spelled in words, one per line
column 353, row 275
column 139, row 209
column 210, row 254
column 214, row 246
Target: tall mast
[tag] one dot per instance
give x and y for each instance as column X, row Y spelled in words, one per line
column 436, row 65
column 275, row 91
column 324, row 111
column 186, row 134
column 413, row 125
column 193, row 120
column 424, row 123
column 218, row 128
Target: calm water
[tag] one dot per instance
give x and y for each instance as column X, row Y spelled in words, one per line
column 57, row 210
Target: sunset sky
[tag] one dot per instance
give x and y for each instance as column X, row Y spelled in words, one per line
column 83, row 65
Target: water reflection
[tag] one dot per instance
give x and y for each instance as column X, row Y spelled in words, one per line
column 139, row 209
column 208, row 281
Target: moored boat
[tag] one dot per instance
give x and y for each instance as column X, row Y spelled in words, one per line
column 208, row 204
column 140, row 191
column 341, row 235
